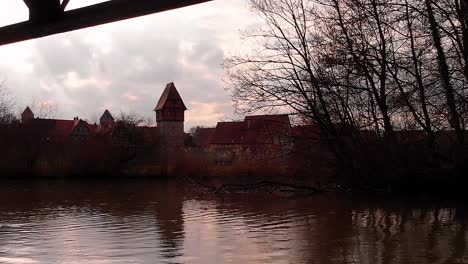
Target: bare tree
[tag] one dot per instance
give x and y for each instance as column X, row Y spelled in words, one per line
column 384, row 66
column 445, row 74
column 7, row 105
column 44, row 109
column 131, row 119
column 285, row 72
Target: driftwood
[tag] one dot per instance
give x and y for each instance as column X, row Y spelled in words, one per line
column 262, row 186
column 193, row 181
column 269, row 186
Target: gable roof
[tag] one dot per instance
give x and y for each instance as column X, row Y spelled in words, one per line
column 64, row 127
column 91, row 128
column 170, row 95
column 27, row 111
column 106, row 115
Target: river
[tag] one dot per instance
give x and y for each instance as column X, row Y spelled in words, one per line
column 99, row 222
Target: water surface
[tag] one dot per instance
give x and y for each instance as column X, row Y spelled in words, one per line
column 164, row 222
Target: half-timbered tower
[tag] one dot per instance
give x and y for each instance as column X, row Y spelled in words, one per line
column 170, row 119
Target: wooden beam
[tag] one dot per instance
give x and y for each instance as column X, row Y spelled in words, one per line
column 89, row 16
column 42, row 11
column 64, row 4
column 27, row 2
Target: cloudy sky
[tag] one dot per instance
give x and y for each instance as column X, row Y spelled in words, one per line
column 124, row 66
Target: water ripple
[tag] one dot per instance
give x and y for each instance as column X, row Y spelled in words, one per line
column 153, row 222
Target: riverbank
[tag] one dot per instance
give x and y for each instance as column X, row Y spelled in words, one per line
column 248, row 178
column 273, row 185
column 440, row 186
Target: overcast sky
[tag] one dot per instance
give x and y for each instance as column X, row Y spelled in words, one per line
column 124, row 66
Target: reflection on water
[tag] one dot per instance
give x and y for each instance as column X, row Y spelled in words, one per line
column 162, row 222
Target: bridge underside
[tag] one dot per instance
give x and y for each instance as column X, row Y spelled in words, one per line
column 47, row 17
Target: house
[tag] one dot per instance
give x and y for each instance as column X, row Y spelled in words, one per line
column 254, row 132
column 259, row 136
column 57, row 130
column 202, row 136
column 256, row 136
column 169, row 131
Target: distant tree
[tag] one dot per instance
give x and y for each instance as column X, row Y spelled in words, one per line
column 127, row 135
column 285, row 71
column 44, row 110
column 7, row 105
column 149, row 122
column 373, row 65
column 131, row 119
column 193, row 129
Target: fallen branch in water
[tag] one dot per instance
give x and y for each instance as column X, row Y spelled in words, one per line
column 269, row 186
column 193, row 181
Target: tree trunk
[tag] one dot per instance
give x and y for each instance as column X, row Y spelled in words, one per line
column 444, row 73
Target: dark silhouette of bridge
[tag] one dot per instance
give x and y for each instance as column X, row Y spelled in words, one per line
column 48, row 17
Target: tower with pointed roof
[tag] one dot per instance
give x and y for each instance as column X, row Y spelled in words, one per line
column 170, row 119
column 27, row 115
column 106, row 119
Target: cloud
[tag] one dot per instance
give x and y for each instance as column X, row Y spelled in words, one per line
column 125, row 66
column 130, row 97
column 202, row 114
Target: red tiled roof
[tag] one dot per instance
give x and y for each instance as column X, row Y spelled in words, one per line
column 170, row 95
column 229, row 133
column 92, row 128
column 203, row 136
column 272, row 121
column 259, row 129
column 262, row 128
column 64, row 127
column 309, row 132
column 56, row 127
